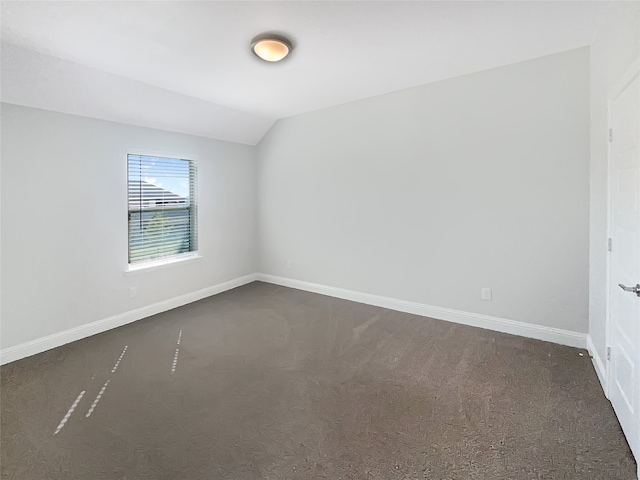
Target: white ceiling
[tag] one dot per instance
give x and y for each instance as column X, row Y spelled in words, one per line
column 343, row 51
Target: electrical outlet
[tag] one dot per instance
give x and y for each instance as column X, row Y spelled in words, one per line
column 486, row 293
column 133, row 291
column 289, row 264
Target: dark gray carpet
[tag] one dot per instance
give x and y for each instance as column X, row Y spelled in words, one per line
column 274, row 383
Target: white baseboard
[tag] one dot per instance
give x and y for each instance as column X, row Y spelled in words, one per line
column 32, row 347
column 598, row 364
column 539, row 332
column 549, row 334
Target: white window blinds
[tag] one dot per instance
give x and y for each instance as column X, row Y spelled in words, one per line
column 162, row 207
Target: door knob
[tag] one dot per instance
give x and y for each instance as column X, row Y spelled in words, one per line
column 635, row 289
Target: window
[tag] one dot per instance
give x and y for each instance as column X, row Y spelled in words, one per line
column 162, row 208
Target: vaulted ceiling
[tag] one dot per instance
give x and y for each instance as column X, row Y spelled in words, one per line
column 186, row 66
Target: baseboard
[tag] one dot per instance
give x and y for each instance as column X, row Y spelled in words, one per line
column 529, row 330
column 598, row 364
column 549, row 334
column 32, row 347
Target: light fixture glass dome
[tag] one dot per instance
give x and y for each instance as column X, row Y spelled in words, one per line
column 271, row 48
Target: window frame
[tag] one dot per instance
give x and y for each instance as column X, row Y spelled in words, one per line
column 174, row 259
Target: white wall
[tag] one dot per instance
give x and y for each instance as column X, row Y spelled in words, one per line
column 431, row 193
column 64, row 220
column 615, row 48
column 426, row 195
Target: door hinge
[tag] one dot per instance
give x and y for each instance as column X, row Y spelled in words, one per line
column 611, row 135
column 608, row 353
column 609, row 244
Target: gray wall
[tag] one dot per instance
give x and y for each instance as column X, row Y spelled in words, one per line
column 425, row 195
column 432, row 193
column 64, row 220
column 615, row 48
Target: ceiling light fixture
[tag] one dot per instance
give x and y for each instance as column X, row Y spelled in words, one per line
column 271, row 48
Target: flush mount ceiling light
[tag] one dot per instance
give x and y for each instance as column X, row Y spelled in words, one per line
column 271, row 48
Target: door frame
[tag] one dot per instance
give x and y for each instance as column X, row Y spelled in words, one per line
column 630, row 75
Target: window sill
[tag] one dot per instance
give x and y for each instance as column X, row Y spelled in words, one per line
column 160, row 264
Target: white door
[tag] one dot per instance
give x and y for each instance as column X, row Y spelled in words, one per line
column 624, row 327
